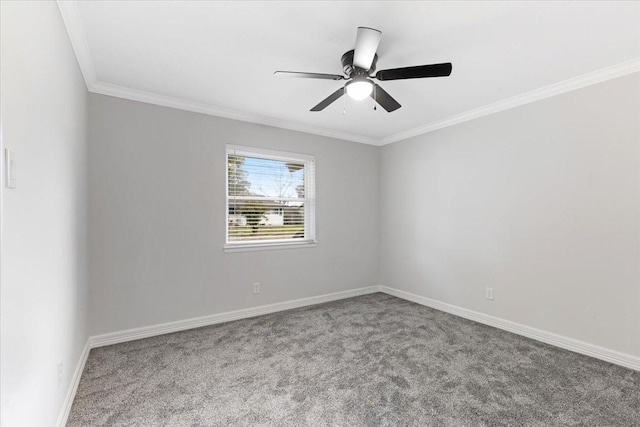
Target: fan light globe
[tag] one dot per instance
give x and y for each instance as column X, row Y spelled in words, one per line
column 359, row 89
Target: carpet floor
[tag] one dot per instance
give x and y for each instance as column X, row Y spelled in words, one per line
column 373, row 360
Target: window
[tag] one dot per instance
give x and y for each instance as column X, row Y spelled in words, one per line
column 270, row 198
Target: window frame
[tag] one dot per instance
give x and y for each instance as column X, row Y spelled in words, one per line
column 308, row 160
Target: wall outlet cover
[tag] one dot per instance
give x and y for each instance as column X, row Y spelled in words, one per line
column 59, row 373
column 489, row 294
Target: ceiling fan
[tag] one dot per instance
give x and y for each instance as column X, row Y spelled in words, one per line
column 359, row 66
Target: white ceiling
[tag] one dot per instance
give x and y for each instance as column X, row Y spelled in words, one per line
column 219, row 57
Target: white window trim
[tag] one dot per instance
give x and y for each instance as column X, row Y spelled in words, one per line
column 309, row 219
column 268, row 246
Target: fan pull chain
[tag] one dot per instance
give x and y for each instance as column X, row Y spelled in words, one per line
column 375, row 98
column 344, row 102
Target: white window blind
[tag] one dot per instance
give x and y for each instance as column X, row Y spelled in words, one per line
column 270, row 197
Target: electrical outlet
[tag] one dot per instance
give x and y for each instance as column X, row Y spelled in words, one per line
column 59, row 373
column 489, row 294
column 256, row 288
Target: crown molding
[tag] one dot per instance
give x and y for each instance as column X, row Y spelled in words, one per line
column 198, row 107
column 77, row 34
column 598, row 76
column 75, row 28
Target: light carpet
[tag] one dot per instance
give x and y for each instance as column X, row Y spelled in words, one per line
column 374, row 360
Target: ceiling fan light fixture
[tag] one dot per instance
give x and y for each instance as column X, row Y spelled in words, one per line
column 359, row 89
column 359, row 67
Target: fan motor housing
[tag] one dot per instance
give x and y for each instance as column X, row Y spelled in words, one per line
column 351, row 71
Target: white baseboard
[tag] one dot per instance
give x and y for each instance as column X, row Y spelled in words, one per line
column 181, row 325
column 571, row 344
column 580, row 347
column 73, row 386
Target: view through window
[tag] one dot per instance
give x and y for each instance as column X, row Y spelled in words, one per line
column 270, row 197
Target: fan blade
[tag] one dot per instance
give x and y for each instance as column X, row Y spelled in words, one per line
column 367, row 42
column 418, row 72
column 328, row 100
column 384, row 99
column 309, row 75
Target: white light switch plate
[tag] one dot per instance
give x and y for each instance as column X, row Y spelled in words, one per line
column 9, row 168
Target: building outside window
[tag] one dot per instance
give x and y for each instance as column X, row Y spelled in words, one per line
column 270, row 198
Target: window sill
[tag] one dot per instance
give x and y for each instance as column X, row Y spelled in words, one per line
column 268, row 246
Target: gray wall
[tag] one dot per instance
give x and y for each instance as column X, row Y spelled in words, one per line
column 43, row 280
column 541, row 202
column 157, row 218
